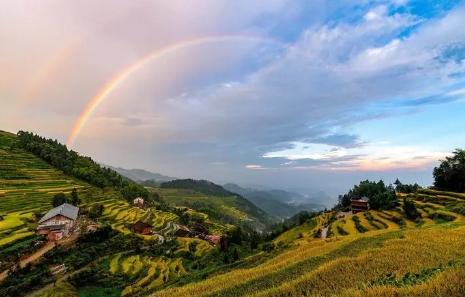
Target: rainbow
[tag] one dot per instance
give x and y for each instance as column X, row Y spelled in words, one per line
column 122, row 75
column 47, row 73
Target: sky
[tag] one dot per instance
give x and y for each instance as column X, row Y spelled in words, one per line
column 290, row 94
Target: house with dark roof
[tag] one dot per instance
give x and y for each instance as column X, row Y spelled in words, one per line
column 360, row 205
column 142, row 228
column 58, row 222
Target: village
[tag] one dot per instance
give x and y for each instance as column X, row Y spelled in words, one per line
column 64, row 224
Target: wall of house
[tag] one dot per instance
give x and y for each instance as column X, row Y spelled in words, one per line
column 59, row 220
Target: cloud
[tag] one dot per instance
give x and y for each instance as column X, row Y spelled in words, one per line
column 218, row 109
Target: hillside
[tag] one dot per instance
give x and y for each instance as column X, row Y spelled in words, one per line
column 378, row 254
column 275, row 202
column 371, row 253
column 215, row 201
column 27, row 185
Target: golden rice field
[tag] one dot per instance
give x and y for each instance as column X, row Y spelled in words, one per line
column 122, row 215
column 393, row 256
column 146, row 273
column 27, row 185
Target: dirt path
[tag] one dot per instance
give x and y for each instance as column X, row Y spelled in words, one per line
column 34, row 257
column 324, row 232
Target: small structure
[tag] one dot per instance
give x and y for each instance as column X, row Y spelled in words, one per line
column 359, row 205
column 142, row 228
column 58, row 222
column 58, row 269
column 139, row 202
column 215, row 239
column 92, row 227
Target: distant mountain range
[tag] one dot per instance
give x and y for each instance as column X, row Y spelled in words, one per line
column 279, row 203
column 141, row 175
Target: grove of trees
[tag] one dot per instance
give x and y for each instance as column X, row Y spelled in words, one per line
column 380, row 196
column 450, row 174
column 73, row 164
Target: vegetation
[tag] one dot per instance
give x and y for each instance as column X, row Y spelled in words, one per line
column 405, row 188
column 409, row 244
column 380, row 196
column 410, row 209
column 450, row 174
column 72, row 164
column 225, row 210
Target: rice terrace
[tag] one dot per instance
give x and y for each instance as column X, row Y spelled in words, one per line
column 218, row 148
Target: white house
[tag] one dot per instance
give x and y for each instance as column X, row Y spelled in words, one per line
column 57, row 222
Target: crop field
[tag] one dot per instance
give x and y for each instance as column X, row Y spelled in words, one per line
column 27, row 185
column 122, row 215
column 145, row 273
column 392, row 256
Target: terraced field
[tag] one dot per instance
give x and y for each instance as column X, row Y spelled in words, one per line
column 144, row 272
column 27, row 185
column 122, row 215
column 377, row 253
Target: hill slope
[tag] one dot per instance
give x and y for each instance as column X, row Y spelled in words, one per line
column 141, row 175
column 387, row 256
column 274, row 202
column 214, row 200
column 27, row 185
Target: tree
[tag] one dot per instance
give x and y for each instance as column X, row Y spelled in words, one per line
column 410, row 210
column 96, row 211
column 235, row 255
column 379, row 195
column 450, row 174
column 407, row 189
column 59, row 199
column 75, row 198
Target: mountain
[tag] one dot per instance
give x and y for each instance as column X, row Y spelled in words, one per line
column 279, row 203
column 141, row 175
column 215, row 200
column 414, row 248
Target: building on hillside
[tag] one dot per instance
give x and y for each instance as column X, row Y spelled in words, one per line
column 92, row 227
column 359, row 205
column 139, row 202
column 58, row 222
column 142, row 228
column 215, row 239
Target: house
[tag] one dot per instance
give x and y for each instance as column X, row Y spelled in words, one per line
column 139, row 202
column 215, row 239
column 58, row 222
column 142, row 228
column 359, row 205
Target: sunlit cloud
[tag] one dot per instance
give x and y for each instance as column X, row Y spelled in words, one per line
column 380, row 156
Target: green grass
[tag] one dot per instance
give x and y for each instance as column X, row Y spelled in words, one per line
column 27, row 185
column 99, row 292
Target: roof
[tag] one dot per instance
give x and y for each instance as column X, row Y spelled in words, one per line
column 141, row 225
column 363, row 199
column 66, row 210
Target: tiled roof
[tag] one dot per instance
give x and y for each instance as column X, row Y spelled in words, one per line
column 66, row 210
